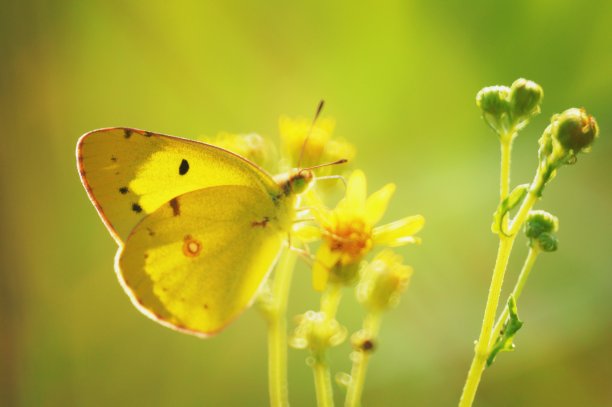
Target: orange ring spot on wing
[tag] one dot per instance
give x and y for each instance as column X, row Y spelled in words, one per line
column 191, row 246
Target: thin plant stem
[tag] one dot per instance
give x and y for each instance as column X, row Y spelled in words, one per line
column 277, row 330
column 322, row 377
column 330, row 300
column 532, row 255
column 360, row 359
column 504, row 250
column 504, row 173
column 329, row 305
column 482, row 345
column 526, row 206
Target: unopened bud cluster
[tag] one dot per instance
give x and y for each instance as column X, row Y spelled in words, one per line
column 316, row 332
column 508, row 109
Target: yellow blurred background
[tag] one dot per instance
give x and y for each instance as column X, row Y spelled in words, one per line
column 400, row 77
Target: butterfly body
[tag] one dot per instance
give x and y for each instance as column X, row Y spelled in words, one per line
column 198, row 227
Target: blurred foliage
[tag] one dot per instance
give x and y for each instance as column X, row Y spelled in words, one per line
column 400, row 79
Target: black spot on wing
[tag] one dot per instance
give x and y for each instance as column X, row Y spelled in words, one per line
column 113, row 159
column 184, row 167
column 136, row 208
column 127, row 133
column 123, row 190
column 148, row 134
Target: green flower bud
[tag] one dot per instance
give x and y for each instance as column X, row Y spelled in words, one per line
column 539, row 229
column 569, row 133
column 574, row 130
column 525, row 99
column 383, row 281
column 547, row 242
column 494, row 101
column 539, row 222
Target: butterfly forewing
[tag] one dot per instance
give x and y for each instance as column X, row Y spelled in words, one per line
column 130, row 173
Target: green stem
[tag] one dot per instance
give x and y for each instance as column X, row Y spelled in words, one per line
column 277, row 330
column 530, row 200
column 516, row 292
column 360, row 359
column 482, row 345
column 504, row 174
column 501, row 263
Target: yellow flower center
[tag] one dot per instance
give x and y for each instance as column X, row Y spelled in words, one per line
column 350, row 236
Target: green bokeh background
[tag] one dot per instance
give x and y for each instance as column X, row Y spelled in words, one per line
column 400, row 78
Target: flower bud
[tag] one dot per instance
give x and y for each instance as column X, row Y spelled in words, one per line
column 525, row 99
column 539, row 229
column 539, row 222
column 574, row 129
column 251, row 146
column 547, row 242
column 383, row 281
column 316, row 332
column 494, row 101
column 363, row 341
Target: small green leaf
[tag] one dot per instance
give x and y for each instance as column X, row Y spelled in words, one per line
column 511, row 201
column 505, row 338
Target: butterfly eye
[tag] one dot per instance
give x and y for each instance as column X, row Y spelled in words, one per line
column 300, row 181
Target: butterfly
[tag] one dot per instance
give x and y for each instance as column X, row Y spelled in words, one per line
column 198, row 227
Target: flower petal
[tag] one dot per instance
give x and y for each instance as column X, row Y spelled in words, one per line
column 356, row 193
column 400, row 232
column 307, row 233
column 324, row 261
column 376, row 205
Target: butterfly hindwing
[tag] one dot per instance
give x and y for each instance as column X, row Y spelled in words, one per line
column 130, row 173
column 197, row 261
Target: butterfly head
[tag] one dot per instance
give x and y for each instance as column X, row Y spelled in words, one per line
column 299, row 180
column 296, row 181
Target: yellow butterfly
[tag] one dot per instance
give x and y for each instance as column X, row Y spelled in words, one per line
column 198, row 227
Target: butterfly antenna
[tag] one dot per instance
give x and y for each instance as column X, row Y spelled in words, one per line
column 314, row 120
column 314, row 167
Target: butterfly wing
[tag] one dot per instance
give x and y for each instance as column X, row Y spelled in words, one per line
column 197, row 262
column 130, row 173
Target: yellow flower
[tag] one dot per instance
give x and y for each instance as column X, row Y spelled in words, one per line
column 349, row 230
column 320, row 147
column 251, row 146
